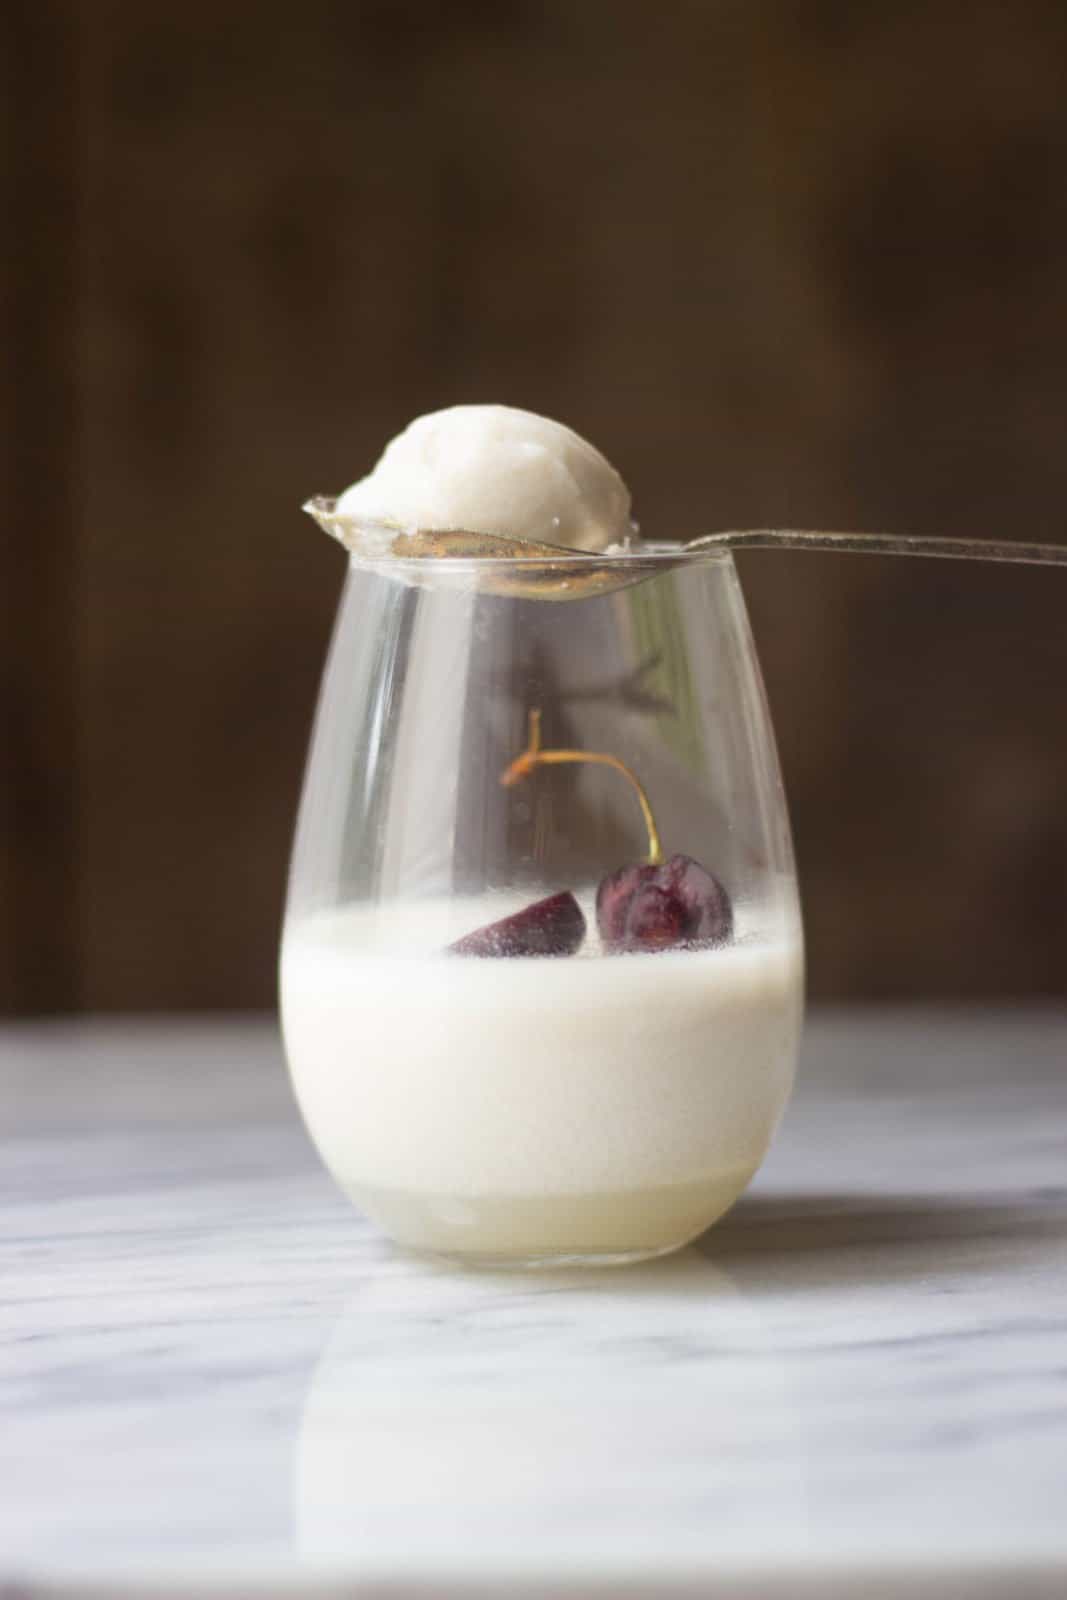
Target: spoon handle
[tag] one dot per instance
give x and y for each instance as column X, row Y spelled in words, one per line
column 887, row 544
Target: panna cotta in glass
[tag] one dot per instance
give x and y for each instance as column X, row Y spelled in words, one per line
column 535, row 1104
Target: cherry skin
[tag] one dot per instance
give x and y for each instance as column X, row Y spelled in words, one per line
column 660, row 907
column 552, row 927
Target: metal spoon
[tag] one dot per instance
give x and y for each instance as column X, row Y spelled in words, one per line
column 532, row 569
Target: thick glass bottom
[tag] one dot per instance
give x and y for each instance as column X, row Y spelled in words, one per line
column 605, row 1228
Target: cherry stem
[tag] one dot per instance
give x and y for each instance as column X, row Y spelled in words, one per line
column 536, row 756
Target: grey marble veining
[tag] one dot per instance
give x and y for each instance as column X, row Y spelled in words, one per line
column 215, row 1375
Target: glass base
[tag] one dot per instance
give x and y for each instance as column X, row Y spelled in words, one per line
column 553, row 1260
column 603, row 1228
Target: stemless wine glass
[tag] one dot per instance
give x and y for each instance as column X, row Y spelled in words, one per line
column 542, row 963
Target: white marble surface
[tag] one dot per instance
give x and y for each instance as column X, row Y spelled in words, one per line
column 214, row 1376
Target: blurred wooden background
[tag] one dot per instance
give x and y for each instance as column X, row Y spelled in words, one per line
column 798, row 263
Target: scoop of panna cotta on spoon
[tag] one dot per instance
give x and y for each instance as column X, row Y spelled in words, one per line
column 498, row 485
column 496, row 471
column 530, row 1061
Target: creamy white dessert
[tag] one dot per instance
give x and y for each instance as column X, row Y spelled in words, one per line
column 587, row 1105
column 495, row 469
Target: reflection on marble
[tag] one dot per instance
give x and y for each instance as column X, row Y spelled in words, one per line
column 211, row 1368
column 580, row 1418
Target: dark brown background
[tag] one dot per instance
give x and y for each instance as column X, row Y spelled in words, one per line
column 798, row 263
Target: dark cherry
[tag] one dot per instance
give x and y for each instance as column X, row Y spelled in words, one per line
column 660, row 907
column 552, row 927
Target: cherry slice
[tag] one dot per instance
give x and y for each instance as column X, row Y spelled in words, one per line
column 552, row 927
